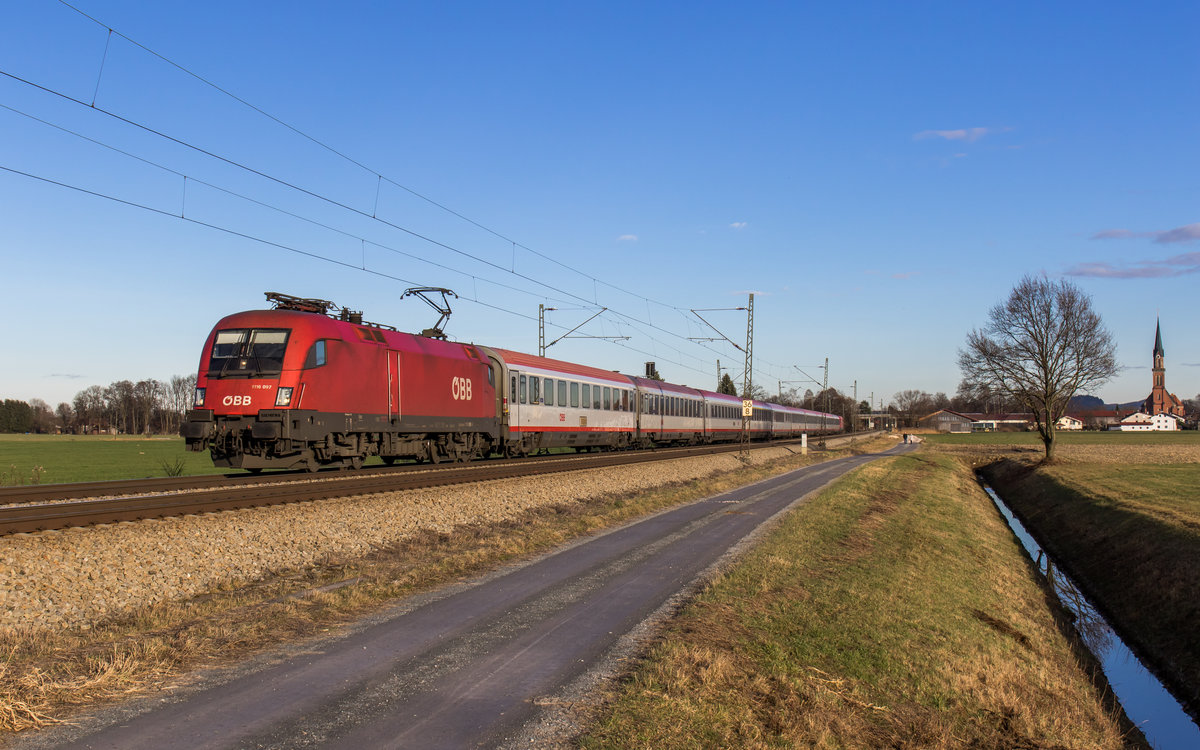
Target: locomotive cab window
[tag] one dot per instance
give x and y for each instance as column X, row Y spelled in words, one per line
column 316, row 355
column 248, row 352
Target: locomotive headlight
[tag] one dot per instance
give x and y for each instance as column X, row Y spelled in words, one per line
column 283, row 397
column 199, row 400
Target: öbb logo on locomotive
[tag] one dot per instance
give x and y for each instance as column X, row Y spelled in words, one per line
column 309, row 384
column 460, row 388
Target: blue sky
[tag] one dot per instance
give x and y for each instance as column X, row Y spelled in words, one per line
column 879, row 174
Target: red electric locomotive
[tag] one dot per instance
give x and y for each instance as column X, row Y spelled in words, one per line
column 296, row 386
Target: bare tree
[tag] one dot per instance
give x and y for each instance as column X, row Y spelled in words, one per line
column 179, row 398
column 66, row 416
column 912, row 404
column 43, row 415
column 1040, row 348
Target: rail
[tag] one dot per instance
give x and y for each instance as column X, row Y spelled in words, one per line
column 218, row 493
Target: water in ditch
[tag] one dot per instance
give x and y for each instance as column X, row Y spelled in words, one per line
column 1145, row 699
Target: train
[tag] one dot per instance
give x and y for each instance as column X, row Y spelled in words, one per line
column 307, row 384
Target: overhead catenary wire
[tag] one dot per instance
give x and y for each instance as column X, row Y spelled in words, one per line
column 278, row 245
column 185, row 177
column 373, row 215
column 318, row 196
column 342, row 155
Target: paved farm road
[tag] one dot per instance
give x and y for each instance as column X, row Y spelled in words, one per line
column 469, row 667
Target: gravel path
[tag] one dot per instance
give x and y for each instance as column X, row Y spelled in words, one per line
column 74, row 577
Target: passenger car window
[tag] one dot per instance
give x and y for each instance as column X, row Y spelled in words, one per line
column 549, row 393
column 522, row 389
column 562, row 393
column 587, row 396
column 575, row 394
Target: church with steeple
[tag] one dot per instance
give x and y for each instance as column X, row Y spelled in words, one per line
column 1159, row 401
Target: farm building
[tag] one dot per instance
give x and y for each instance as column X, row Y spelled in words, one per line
column 1140, row 421
column 1098, row 419
column 945, row 420
column 1067, row 422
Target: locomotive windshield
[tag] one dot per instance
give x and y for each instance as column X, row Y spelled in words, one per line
column 248, row 352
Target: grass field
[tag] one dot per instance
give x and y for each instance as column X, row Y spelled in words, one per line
column 893, row 610
column 1067, row 437
column 46, row 459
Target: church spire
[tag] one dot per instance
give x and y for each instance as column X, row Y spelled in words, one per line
column 1158, row 348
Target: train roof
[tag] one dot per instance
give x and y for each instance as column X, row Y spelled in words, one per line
column 520, row 359
column 323, row 326
column 667, row 387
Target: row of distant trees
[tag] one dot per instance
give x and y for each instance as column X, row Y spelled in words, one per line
column 141, row 408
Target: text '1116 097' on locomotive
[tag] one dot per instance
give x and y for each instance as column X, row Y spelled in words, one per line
column 308, row 384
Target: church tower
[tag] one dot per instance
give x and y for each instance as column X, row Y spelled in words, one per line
column 1159, row 401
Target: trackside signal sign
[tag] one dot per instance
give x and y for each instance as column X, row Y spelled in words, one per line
column 747, row 408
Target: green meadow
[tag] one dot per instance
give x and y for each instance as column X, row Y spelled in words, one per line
column 47, row 459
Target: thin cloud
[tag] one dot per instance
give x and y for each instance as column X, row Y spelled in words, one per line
column 1176, row 265
column 1186, row 233
column 1114, row 234
column 970, row 135
column 67, row 375
column 738, row 225
column 627, row 238
column 905, row 275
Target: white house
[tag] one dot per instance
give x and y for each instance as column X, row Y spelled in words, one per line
column 1067, row 422
column 1140, row 421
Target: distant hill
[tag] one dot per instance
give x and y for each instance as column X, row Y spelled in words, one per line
column 1087, row 403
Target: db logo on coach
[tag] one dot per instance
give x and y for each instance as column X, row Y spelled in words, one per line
column 460, row 388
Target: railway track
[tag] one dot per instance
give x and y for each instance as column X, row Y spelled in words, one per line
column 142, row 499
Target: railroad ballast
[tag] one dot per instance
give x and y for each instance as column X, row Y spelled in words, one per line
column 309, row 384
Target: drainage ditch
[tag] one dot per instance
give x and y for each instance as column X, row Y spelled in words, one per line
column 1146, row 700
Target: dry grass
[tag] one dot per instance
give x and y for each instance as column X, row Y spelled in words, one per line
column 45, row 677
column 893, row 610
